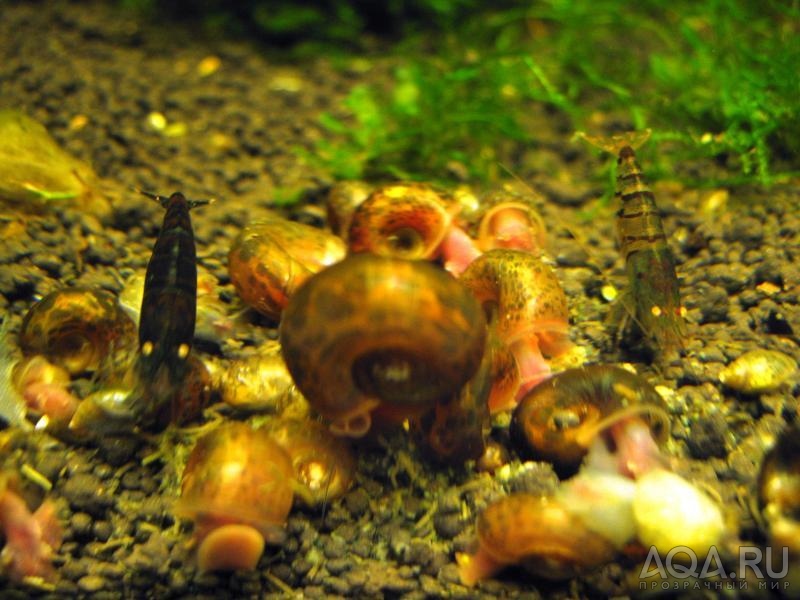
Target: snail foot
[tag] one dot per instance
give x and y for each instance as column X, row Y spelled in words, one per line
column 231, row 547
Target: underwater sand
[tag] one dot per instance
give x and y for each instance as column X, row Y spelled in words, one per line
column 395, row 534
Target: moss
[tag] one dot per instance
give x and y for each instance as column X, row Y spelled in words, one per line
column 713, row 80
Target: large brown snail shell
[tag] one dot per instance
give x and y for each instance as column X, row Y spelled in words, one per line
column 372, row 330
column 324, row 465
column 237, row 486
column 559, row 418
column 401, row 220
column 270, row 259
column 537, row 532
column 77, row 328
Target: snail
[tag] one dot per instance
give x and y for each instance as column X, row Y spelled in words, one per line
column 671, row 512
column 213, row 325
column 343, row 199
column 504, row 373
column 270, row 259
column 77, row 329
column 454, row 430
column 779, row 490
column 237, row 488
column 37, row 174
column 510, row 222
column 30, row 538
column 537, row 532
column 653, row 507
column 558, row 420
column 324, row 465
column 373, row 331
column 526, row 304
column 259, row 382
column 412, row 221
column 126, row 401
column 758, row 371
column 45, row 388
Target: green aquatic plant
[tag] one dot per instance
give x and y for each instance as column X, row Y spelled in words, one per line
column 437, row 120
column 713, row 80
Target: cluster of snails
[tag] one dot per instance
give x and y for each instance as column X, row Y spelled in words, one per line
column 239, row 483
column 74, row 332
column 610, row 423
column 414, row 310
column 372, row 327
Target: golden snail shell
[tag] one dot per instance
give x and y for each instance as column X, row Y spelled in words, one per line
column 77, row 328
column 324, row 465
column 374, row 330
column 401, row 220
column 236, row 476
column 259, row 382
column 758, row 371
column 559, row 418
column 269, row 260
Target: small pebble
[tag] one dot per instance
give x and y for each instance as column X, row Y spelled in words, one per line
column 91, row 583
column 81, row 524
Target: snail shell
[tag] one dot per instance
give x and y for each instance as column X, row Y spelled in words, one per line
column 269, row 260
column 373, row 330
column 256, row 383
column 526, row 306
column 36, row 172
column 236, row 476
column 537, row 532
column 77, row 329
column 342, row 201
column 213, row 324
column 523, row 296
column 559, row 418
column 779, row 490
column 758, row 371
column 323, row 464
column 510, row 222
column 401, row 220
column 455, row 429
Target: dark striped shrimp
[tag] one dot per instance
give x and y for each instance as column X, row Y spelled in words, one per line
column 653, row 297
column 169, row 304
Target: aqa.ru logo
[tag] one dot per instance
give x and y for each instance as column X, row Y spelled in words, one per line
column 682, row 563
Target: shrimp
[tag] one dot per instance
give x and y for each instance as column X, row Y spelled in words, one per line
column 653, row 295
